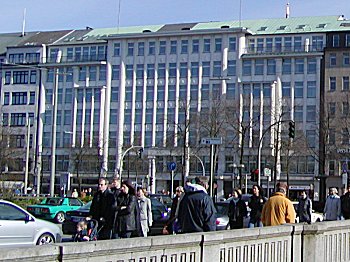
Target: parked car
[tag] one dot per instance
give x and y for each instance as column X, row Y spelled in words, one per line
column 315, row 217
column 222, row 220
column 165, row 199
column 18, row 228
column 159, row 213
column 55, row 208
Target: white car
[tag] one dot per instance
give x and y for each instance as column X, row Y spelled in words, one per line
column 18, row 228
column 315, row 217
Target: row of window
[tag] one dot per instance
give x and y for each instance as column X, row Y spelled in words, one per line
column 334, row 60
column 345, row 86
column 20, row 77
column 20, row 58
column 335, row 137
column 17, row 119
column 19, row 98
column 184, row 46
column 78, row 54
column 344, row 107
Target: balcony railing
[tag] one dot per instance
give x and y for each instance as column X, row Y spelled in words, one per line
column 283, row 49
column 77, row 58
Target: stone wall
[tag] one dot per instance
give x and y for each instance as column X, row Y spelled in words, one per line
column 321, row 242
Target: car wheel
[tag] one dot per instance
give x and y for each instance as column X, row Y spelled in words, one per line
column 60, row 217
column 45, row 239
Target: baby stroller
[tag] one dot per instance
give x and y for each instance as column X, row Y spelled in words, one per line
column 88, row 231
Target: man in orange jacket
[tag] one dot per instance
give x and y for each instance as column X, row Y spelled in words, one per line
column 278, row 209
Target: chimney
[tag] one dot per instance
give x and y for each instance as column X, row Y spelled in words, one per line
column 287, row 10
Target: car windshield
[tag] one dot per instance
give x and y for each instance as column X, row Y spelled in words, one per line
column 86, row 206
column 221, row 208
column 53, row 201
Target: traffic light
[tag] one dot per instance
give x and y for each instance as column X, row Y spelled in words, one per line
column 254, row 175
column 291, row 129
column 139, row 152
column 151, row 181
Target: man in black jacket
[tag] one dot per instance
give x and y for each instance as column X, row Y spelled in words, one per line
column 304, row 209
column 196, row 209
column 345, row 204
column 102, row 209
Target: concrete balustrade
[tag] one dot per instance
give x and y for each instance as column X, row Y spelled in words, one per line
column 321, row 242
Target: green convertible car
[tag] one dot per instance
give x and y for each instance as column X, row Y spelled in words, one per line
column 55, row 208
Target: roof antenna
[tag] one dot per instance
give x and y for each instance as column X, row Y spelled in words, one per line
column 287, row 10
column 24, row 22
column 118, row 24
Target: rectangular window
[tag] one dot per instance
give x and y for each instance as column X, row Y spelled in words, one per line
column 287, row 44
column 335, row 40
column 286, row 66
column 171, row 92
column 298, row 113
column 152, row 48
column 20, row 77
column 32, row 77
column 141, row 49
column 346, row 59
column 195, row 46
column 67, row 117
column 256, row 90
column 311, row 65
column 232, row 43
column 206, row 69
column 345, row 109
column 299, row 66
column 129, row 72
column 347, row 40
column 77, row 53
column 32, row 58
column 116, row 49
column 5, row 119
column 92, row 73
column 345, row 83
column 247, row 67
column 102, row 73
column 267, row 90
column 82, row 73
column 184, row 46
column 139, row 71
column 130, row 49
column 297, row 44
column 331, row 109
column 205, row 92
column 218, row 44
column 150, row 71
column 160, row 93
column 332, row 83
column 278, row 44
column 6, row 98
column 93, row 53
column 298, row 89
column 150, row 93
column 183, row 70
column 115, row 94
column 32, row 98
column 260, row 45
column 231, row 67
column 7, row 77
column 269, row 44
column 332, row 59
column 345, row 136
column 68, row 96
column 230, row 90
column 69, row 74
column 115, row 72
column 173, row 47
column 194, row 69
column 18, row 119
column 217, row 68
column 162, row 47
column 259, row 67
column 311, row 113
column 285, row 89
column 172, row 69
column 311, row 89
column 271, row 66
column 206, row 45
column 161, row 70
column 19, row 98
column 70, row 53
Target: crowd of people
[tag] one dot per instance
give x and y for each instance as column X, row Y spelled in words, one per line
column 123, row 211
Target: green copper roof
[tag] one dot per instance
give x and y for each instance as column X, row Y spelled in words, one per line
column 285, row 25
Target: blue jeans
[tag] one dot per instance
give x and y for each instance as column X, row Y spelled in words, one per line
column 256, row 223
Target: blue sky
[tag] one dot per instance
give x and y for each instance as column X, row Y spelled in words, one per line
column 44, row 15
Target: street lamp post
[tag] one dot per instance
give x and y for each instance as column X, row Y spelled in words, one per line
column 200, row 160
column 54, row 122
column 27, row 158
column 120, row 169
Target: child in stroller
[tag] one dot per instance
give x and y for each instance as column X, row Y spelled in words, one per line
column 86, row 231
